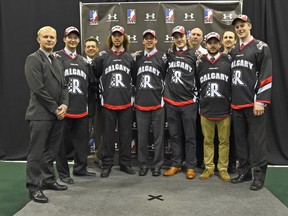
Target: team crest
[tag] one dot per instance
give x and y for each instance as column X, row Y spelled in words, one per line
column 170, row 16
column 208, row 16
column 93, row 17
column 131, row 16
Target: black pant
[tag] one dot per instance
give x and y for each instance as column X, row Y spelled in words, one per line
column 75, row 133
column 45, row 139
column 112, row 118
column 178, row 118
column 250, row 137
column 155, row 118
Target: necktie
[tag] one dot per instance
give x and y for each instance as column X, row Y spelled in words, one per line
column 242, row 45
column 72, row 55
column 51, row 58
column 212, row 59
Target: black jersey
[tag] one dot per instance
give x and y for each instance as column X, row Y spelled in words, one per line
column 76, row 73
column 115, row 72
column 252, row 74
column 214, row 84
column 150, row 81
column 180, row 77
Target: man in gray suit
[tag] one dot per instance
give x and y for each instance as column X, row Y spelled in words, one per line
column 46, row 110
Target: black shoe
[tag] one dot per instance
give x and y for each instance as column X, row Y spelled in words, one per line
column 156, row 171
column 143, row 171
column 54, row 186
column 105, row 172
column 67, row 180
column 38, row 196
column 241, row 178
column 232, row 169
column 86, row 173
column 127, row 169
column 256, row 185
column 98, row 163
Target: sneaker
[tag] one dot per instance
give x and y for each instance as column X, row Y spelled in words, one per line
column 206, row 174
column 224, row 176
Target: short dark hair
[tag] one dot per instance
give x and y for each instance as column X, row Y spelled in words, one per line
column 91, row 39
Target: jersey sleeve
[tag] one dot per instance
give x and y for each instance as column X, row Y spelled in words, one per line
column 264, row 69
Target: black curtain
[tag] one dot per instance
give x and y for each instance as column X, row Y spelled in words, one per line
column 20, row 20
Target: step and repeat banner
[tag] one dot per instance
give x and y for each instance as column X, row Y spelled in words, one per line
column 96, row 19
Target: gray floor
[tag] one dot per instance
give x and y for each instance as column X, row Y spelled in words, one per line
column 123, row 194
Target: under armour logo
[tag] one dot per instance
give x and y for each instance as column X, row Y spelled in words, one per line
column 190, row 16
column 112, row 16
column 168, row 38
column 150, row 16
column 132, row 38
column 227, row 17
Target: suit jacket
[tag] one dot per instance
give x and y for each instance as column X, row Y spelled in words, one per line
column 48, row 88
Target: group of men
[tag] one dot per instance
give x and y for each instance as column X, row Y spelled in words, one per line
column 187, row 79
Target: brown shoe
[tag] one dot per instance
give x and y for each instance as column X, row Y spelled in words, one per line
column 190, row 174
column 206, row 174
column 172, row 171
column 224, row 176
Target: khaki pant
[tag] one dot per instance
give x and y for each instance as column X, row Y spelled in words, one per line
column 208, row 129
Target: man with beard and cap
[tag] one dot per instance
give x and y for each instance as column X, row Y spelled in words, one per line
column 114, row 68
column 213, row 81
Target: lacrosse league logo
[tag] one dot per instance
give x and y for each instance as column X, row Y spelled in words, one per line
column 169, row 15
column 150, row 17
column 93, row 17
column 131, row 16
column 208, row 16
column 188, row 17
column 112, row 18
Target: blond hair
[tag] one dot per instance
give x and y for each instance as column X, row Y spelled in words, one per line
column 46, row 28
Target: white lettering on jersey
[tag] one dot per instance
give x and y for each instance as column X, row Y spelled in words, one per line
column 116, row 81
column 212, row 90
column 145, row 82
column 218, row 76
column 242, row 63
column 148, row 68
column 180, row 64
column 176, row 77
column 236, row 78
column 75, row 72
column 117, row 67
column 74, row 86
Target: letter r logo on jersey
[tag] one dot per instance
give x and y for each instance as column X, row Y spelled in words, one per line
column 176, row 77
column 74, row 86
column 236, row 78
column 116, row 81
column 145, row 82
column 213, row 90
